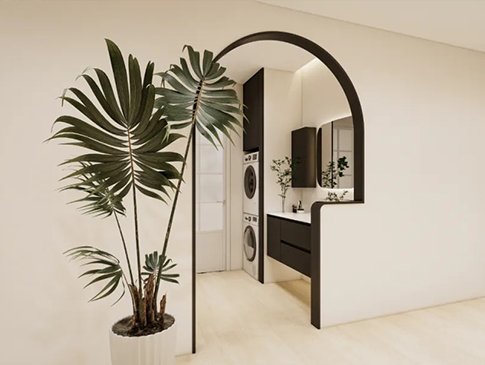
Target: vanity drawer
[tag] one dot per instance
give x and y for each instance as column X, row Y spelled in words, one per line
column 296, row 234
column 296, row 259
column 274, row 242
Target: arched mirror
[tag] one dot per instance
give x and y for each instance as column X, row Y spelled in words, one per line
column 335, row 159
column 329, row 110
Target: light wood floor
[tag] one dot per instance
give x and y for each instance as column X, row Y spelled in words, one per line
column 242, row 322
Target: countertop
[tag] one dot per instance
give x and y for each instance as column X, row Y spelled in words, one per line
column 298, row 217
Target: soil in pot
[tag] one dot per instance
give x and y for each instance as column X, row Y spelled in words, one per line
column 124, row 327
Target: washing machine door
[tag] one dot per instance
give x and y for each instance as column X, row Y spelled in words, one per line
column 249, row 243
column 250, row 182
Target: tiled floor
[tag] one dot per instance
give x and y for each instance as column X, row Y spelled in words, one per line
column 240, row 321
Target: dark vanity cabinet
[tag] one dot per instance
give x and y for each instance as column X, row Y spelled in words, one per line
column 304, row 156
column 253, row 100
column 289, row 243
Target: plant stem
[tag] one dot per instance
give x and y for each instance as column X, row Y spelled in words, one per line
column 179, row 185
column 177, row 192
column 126, row 250
column 137, row 237
column 172, row 212
column 131, row 293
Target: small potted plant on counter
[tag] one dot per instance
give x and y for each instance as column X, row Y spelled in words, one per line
column 128, row 154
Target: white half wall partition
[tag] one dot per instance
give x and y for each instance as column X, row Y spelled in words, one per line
column 417, row 241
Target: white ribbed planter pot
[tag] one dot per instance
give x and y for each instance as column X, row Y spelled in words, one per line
column 157, row 349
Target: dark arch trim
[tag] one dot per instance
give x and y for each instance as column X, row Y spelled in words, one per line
column 358, row 120
column 342, row 78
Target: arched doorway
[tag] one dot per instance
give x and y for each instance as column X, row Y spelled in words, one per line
column 358, row 123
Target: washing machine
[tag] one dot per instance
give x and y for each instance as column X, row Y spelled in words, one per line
column 251, row 245
column 251, row 183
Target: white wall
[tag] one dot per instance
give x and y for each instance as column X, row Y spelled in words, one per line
column 416, row 241
column 44, row 47
column 323, row 99
column 282, row 114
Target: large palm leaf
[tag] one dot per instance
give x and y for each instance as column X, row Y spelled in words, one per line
column 106, row 269
column 126, row 142
column 155, row 262
column 100, row 199
column 198, row 97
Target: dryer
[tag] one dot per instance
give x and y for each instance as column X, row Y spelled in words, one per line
column 251, row 183
column 251, row 245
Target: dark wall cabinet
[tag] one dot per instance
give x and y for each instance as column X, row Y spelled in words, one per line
column 254, row 101
column 289, row 243
column 304, row 155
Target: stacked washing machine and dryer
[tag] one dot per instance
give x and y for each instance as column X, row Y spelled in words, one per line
column 251, row 214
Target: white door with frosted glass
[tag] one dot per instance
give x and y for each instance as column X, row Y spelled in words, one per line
column 210, row 206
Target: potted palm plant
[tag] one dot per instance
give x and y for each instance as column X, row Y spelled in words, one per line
column 126, row 141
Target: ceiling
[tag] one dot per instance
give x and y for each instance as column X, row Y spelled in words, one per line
column 457, row 22
column 245, row 61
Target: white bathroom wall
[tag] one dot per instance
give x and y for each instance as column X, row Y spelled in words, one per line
column 323, row 99
column 282, row 114
column 417, row 241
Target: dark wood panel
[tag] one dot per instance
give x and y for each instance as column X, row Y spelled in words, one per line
column 296, row 234
column 315, row 264
column 273, row 240
column 261, row 177
column 304, row 155
column 296, row 259
column 319, row 156
column 253, row 100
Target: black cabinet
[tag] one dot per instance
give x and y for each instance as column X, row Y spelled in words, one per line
column 274, row 240
column 296, row 234
column 253, row 99
column 296, row 259
column 304, row 155
column 289, row 243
